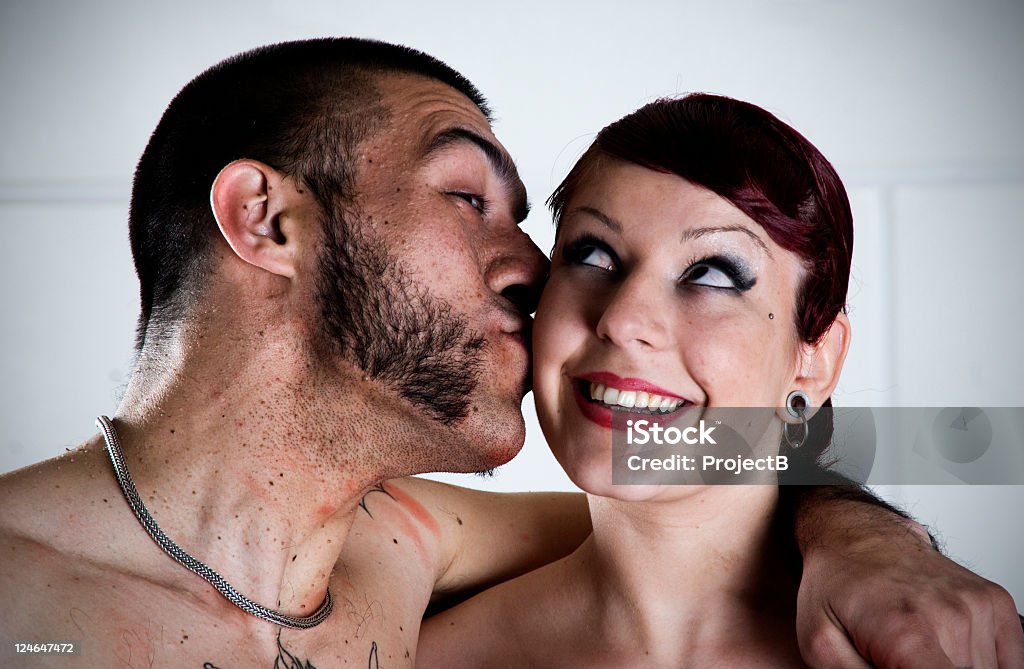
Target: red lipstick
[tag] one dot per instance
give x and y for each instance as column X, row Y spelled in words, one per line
column 609, row 379
column 600, row 413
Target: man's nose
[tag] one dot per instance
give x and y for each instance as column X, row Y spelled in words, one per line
column 518, row 271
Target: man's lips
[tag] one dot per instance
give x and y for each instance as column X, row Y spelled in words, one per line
column 503, row 321
column 510, row 321
column 520, row 337
column 517, row 356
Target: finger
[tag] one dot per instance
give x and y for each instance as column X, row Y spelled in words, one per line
column 1010, row 640
column 982, row 643
column 982, row 639
column 910, row 646
column 965, row 631
column 830, row 648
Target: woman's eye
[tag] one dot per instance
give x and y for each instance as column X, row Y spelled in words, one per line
column 596, row 257
column 720, row 272
column 591, row 251
column 705, row 274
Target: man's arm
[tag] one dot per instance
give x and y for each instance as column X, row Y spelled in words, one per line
column 876, row 590
column 873, row 587
column 488, row 537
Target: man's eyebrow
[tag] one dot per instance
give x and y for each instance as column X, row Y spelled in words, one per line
column 500, row 162
column 695, row 233
column 599, row 215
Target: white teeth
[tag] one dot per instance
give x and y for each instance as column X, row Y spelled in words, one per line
column 657, row 402
column 627, row 398
column 631, row 398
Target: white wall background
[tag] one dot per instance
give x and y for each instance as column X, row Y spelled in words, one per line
column 918, row 104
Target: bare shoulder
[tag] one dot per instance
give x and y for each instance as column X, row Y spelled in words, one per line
column 44, row 500
column 403, row 540
column 402, row 521
column 37, row 520
column 55, row 534
column 427, row 515
column 441, row 500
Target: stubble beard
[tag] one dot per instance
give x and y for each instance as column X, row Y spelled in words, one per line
column 374, row 315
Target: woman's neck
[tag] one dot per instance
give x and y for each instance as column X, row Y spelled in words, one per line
column 673, row 575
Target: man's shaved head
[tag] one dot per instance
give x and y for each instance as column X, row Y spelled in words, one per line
column 300, row 107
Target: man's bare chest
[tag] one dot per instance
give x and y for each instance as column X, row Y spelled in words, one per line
column 119, row 621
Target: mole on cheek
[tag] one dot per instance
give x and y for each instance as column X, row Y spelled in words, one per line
column 771, row 316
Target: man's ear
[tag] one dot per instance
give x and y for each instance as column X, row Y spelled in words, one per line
column 821, row 364
column 248, row 199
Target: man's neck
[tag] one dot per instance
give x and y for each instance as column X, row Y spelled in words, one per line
column 255, row 466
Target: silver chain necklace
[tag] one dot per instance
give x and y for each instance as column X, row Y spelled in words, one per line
column 176, row 553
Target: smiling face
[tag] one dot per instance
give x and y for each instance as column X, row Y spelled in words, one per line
column 660, row 291
column 439, row 202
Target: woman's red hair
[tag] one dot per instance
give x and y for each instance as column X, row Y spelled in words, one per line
column 767, row 169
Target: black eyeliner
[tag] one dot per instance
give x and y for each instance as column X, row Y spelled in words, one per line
column 742, row 277
column 574, row 251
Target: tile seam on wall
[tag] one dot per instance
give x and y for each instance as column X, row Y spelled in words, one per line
column 118, row 190
column 64, row 192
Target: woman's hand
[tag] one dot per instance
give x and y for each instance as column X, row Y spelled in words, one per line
column 874, row 592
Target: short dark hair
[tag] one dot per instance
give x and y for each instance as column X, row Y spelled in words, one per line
column 300, row 107
column 770, row 172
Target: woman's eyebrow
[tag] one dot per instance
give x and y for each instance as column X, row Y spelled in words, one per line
column 599, row 215
column 696, row 233
column 693, row 233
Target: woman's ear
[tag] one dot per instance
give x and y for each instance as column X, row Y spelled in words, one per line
column 821, row 364
column 248, row 199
